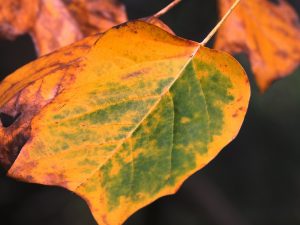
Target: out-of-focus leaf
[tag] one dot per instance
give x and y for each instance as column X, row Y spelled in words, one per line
column 57, row 23
column 54, row 27
column 97, row 16
column 268, row 32
column 17, row 17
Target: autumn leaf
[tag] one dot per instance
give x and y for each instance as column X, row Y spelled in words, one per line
column 268, row 32
column 31, row 92
column 54, row 27
column 97, row 15
column 57, row 23
column 121, row 118
column 157, row 22
column 17, row 16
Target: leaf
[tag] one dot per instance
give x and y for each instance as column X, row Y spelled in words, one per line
column 98, row 15
column 123, row 118
column 269, row 33
column 57, row 23
column 54, row 27
column 16, row 17
column 29, row 92
column 157, row 22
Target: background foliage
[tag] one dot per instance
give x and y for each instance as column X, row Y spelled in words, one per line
column 254, row 181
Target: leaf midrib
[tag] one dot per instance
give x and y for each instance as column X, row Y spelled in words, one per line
column 141, row 121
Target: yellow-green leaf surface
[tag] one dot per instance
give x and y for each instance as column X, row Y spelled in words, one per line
column 136, row 114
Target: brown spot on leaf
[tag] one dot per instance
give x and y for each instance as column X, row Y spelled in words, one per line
column 58, row 179
column 16, row 114
column 240, row 99
column 104, row 219
column 235, row 115
column 135, row 74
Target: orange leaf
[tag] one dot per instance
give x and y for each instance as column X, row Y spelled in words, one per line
column 54, row 27
column 17, row 17
column 35, row 85
column 121, row 118
column 269, row 33
column 57, row 23
column 157, row 22
column 96, row 16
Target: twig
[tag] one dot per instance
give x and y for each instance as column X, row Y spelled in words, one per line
column 166, row 9
column 212, row 33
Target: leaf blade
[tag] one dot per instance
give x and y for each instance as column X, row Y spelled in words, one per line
column 126, row 133
column 267, row 32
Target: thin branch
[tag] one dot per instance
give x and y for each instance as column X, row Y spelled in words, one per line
column 212, row 33
column 166, row 9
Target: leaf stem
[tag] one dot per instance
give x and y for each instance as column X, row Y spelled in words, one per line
column 166, row 9
column 212, row 33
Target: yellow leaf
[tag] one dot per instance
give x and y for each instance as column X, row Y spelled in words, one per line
column 123, row 118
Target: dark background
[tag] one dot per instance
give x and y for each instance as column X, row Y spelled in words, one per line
column 253, row 181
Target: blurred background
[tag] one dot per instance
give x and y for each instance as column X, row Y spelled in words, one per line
column 253, row 181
